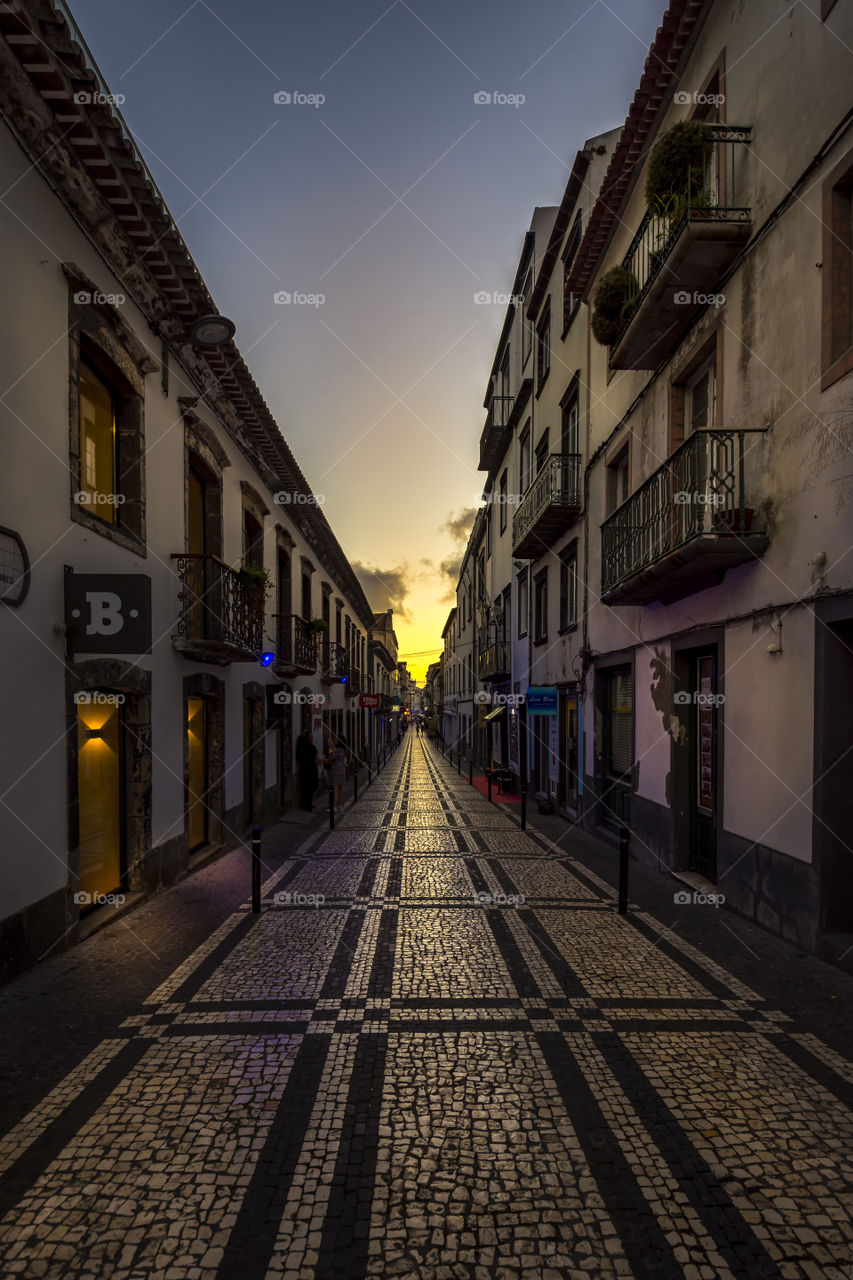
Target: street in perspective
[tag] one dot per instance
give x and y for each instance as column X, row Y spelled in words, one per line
column 426, row 570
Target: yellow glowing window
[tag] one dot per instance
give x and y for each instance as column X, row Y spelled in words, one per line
column 97, row 446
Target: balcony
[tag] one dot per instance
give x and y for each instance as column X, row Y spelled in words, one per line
column 495, row 661
column 352, row 687
column 676, row 262
column 503, row 415
column 333, row 663
column 296, row 646
column 550, row 506
column 222, row 614
column 685, row 526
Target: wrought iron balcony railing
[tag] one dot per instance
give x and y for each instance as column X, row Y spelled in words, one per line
column 502, row 414
column 550, row 505
column 353, row 683
column 222, row 613
column 681, row 248
column 494, row 661
column 296, row 645
column 333, row 660
column 686, row 525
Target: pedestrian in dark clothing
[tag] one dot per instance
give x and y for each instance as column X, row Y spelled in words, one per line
column 306, row 770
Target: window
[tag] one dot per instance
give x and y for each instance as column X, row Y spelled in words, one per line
column 568, row 587
column 837, row 274
column 506, row 633
column 540, row 607
column 523, row 604
column 502, row 499
column 617, row 481
column 542, row 452
column 488, row 532
column 504, row 385
column 253, row 542
column 569, row 422
column 571, row 301
column 526, row 326
column 524, row 460
column 543, row 346
column 98, row 463
column 700, row 409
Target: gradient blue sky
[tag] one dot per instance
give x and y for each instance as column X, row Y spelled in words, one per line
column 378, row 390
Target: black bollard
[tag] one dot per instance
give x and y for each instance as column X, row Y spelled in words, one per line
column 459, row 763
column 624, row 838
column 355, row 787
column 331, row 807
column 256, row 870
column 489, row 776
column 471, row 771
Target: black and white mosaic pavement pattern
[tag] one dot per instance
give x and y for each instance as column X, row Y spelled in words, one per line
column 439, row 1052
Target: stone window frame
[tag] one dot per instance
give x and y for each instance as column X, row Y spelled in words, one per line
column 115, row 676
column 202, row 684
column 98, row 334
column 541, row 605
column 253, row 504
column 837, row 273
column 201, row 444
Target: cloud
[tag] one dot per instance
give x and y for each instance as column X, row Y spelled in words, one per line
column 385, row 588
column 458, row 526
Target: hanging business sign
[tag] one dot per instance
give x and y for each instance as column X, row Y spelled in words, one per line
column 542, row 700
column 369, row 701
column 108, row 612
column 14, row 567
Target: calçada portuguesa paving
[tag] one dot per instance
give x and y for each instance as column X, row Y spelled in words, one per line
column 437, row 1052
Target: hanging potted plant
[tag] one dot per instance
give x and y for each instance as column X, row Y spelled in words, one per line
column 616, row 290
column 251, row 576
column 676, row 173
column 318, row 625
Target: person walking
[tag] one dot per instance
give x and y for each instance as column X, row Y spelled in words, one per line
column 306, row 770
column 335, row 760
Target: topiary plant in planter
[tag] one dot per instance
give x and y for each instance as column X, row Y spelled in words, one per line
column 616, row 289
column 677, row 169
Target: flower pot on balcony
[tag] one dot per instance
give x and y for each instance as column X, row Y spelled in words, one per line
column 616, row 290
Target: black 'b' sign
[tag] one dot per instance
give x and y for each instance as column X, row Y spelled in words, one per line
column 108, row 612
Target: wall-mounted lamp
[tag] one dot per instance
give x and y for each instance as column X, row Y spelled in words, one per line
column 212, row 331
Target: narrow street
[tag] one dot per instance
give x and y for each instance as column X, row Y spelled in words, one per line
column 437, row 1052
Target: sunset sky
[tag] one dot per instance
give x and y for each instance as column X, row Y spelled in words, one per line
column 385, row 207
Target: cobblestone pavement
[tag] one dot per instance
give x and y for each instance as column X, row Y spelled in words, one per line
column 437, row 1052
